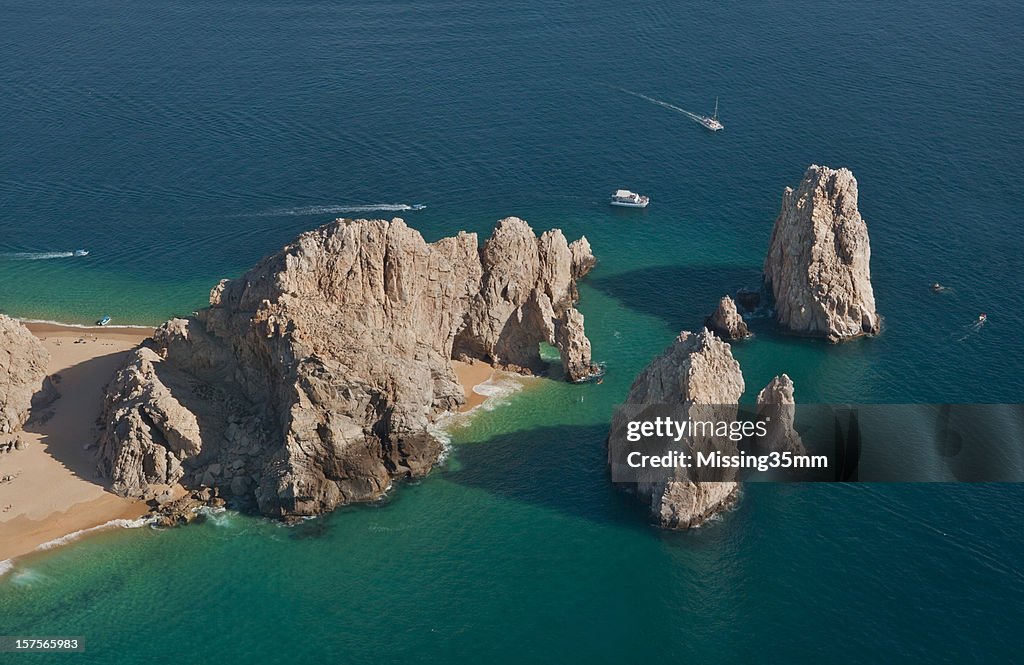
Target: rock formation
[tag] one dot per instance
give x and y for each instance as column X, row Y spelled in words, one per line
column 777, row 402
column 726, row 322
column 310, row 382
column 699, row 374
column 818, row 263
column 23, row 361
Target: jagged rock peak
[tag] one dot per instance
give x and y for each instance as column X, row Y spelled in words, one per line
column 818, row 263
column 23, row 361
column 777, row 401
column 726, row 321
column 311, row 381
column 697, row 371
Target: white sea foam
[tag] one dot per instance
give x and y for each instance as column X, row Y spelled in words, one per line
column 218, row 516
column 439, row 431
column 497, row 389
column 112, row 524
column 341, row 209
column 5, row 566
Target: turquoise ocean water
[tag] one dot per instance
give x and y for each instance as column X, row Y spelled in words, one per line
column 179, row 142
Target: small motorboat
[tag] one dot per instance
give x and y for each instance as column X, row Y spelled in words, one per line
column 81, row 252
column 104, row 321
column 983, row 317
column 627, row 199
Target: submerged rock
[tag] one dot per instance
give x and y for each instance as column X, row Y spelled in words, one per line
column 818, row 263
column 726, row 322
column 23, row 361
column 697, row 373
column 310, row 381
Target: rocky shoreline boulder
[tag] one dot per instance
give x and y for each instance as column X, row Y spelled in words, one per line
column 818, row 265
column 23, row 360
column 699, row 375
column 310, row 382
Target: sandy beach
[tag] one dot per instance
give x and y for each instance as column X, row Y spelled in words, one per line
column 470, row 376
column 55, row 491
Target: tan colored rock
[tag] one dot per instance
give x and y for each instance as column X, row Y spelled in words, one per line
column 818, row 262
column 23, row 361
column 149, row 432
column 726, row 322
column 318, row 372
column 583, row 259
column 777, row 401
column 699, row 374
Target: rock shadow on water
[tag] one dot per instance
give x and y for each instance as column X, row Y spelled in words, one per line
column 561, row 468
column 682, row 296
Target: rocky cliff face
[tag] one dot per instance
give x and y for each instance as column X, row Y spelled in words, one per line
column 777, row 401
column 818, row 263
column 310, row 381
column 699, row 374
column 23, row 362
column 726, row 322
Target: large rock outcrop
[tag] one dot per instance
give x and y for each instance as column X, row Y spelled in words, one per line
column 818, row 264
column 698, row 375
column 726, row 322
column 23, row 361
column 310, row 382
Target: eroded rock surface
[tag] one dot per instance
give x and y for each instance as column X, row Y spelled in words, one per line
column 698, row 373
column 777, row 401
column 818, row 263
column 23, row 361
column 726, row 322
column 310, row 382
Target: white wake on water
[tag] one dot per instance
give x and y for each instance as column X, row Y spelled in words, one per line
column 341, row 209
column 673, row 107
column 36, row 256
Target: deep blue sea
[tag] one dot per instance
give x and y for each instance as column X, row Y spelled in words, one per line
column 179, row 142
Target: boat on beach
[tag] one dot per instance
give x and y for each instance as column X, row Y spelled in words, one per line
column 104, row 321
column 627, row 199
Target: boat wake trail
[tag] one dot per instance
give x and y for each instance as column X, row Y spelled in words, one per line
column 340, row 209
column 691, row 116
column 969, row 330
column 36, row 256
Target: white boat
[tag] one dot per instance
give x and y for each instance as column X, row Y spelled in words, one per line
column 627, row 199
column 81, row 252
column 711, row 123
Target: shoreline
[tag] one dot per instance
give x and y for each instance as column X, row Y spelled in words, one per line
column 55, row 491
column 29, row 323
column 56, row 496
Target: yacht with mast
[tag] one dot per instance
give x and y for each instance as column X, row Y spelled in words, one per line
column 712, row 122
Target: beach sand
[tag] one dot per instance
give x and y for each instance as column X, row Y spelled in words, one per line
column 56, row 491
column 471, row 375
